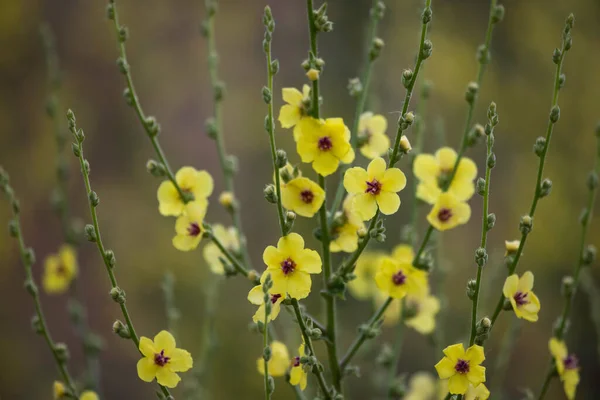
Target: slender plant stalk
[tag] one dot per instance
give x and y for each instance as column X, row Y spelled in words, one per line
column 93, row 233
column 506, row 350
column 239, row 267
column 59, row 350
column 267, row 285
column 308, row 341
column 397, row 350
column 171, row 311
column 537, row 193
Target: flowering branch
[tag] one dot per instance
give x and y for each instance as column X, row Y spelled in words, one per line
column 542, row 188
column 59, row 350
column 93, row 235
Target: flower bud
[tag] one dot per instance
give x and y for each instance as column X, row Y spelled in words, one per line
column 405, row 146
column 481, row 256
column 427, row 49
column 498, row 14
column 120, row 329
column 355, row 87
column 156, row 168
column 526, row 224
column 123, row 34
column 31, row 287
column 118, row 295
column 471, row 286
column 407, row 76
column 511, row 246
column 491, row 160
column 274, row 67
column 90, row 233
column 62, row 352
column 109, row 257
column 313, row 74
column 270, row 193
column 471, row 93
column 94, row 199
column 267, row 353
column 29, row 256
column 409, row 117
column 540, row 146
column 227, row 200
column 480, row 186
column 36, row 325
column 362, row 232
column 589, row 255
column 123, row 66
column 76, row 150
column 253, row 276
column 545, row 188
column 280, row 158
column 555, row 114
column 567, row 286
column 592, row 180
column 426, row 16
column 556, row 56
column 266, row 94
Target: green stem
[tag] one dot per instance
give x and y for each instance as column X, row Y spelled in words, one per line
column 547, row 380
column 265, row 346
column 83, row 163
column 239, row 267
column 397, row 349
column 309, row 345
column 171, row 310
column 312, row 31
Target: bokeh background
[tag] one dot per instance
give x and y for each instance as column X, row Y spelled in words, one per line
column 169, row 65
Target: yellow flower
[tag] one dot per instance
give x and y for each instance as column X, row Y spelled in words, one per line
column 363, row 286
column 432, row 171
column 89, row 395
column 427, row 308
column 298, row 375
column 279, row 362
column 197, row 183
column 58, row 389
column 511, row 246
column 377, row 186
column 421, row 386
column 302, row 196
column 60, row 270
column 188, row 227
column 448, row 212
column 162, row 360
column 480, row 392
column 525, row 303
column 461, row 367
column 346, row 236
column 212, row 254
column 257, row 297
column 567, row 366
column 372, row 128
column 291, row 113
column 226, row 199
column 290, row 266
column 398, row 279
column 324, row 143
column 312, row 74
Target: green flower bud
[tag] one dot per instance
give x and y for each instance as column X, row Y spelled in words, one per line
column 62, row 352
column 491, row 221
column 280, row 158
column 526, row 224
column 555, row 114
column 156, row 168
column 270, row 193
column 94, row 199
column 90, row 233
column 118, row 295
column 407, row 76
column 266, row 94
column 109, row 256
column 471, row 285
column 480, row 186
column 540, row 146
column 545, row 188
column 481, row 256
column 592, row 180
column 355, row 87
column 589, row 255
column 121, row 330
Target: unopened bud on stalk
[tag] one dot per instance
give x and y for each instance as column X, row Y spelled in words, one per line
column 471, row 286
column 270, row 193
column 545, row 187
column 156, row 168
column 589, row 255
column 226, row 199
column 526, row 224
column 539, row 146
column 62, row 352
column 280, row 158
column 405, row 146
column 120, row 329
column 567, row 286
column 313, row 74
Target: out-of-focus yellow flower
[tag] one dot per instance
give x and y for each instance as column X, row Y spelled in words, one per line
column 511, row 246
column 363, row 286
column 432, row 171
column 60, row 270
column 290, row 266
column 480, row 392
column 519, row 291
column 257, row 297
column 567, row 366
column 291, row 113
column 212, row 254
column 198, row 183
column 392, row 313
column 398, row 279
column 302, row 196
column 403, row 253
column 226, row 199
column 89, row 395
column 279, row 362
column 426, row 308
column 448, row 212
column 313, row 74
column 324, row 143
column 298, row 375
column 371, row 129
column 162, row 360
column 58, row 390
column 377, row 186
column 346, row 236
column 461, row 367
column 421, row 386
column 188, row 227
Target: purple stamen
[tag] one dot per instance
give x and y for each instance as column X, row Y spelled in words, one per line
column 296, row 361
column 373, row 187
column 307, row 196
column 462, row 366
column 325, row 144
column 444, row 214
column 571, row 362
column 288, row 266
column 160, row 359
column 275, row 297
column 193, row 229
column 399, row 278
column 521, row 298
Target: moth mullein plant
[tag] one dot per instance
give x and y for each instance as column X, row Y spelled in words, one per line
column 348, row 194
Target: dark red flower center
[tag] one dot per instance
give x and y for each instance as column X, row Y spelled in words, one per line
column 325, row 143
column 399, row 278
column 160, row 359
column 61, row 270
column 571, row 362
column 462, row 366
column 193, row 229
column 288, row 266
column 275, row 297
column 373, row 187
column 307, row 196
column 296, row 361
column 521, row 298
column 444, row 214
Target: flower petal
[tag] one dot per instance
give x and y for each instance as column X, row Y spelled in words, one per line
column 455, row 352
column 446, row 157
column 147, row 347
column 299, row 284
column 164, row 341
column 290, row 245
column 203, row 185
column 526, row 282
column 169, row 202
column 426, row 168
column 458, row 384
column 147, row 369
column 181, row 360
column 511, row 285
column 475, row 354
column 403, row 253
column 365, row 206
column 292, row 96
column 309, row 261
column 167, row 378
column 388, row 202
column 476, row 374
column 355, row 180
column 272, row 257
column 289, row 116
column 377, row 124
column 376, row 169
column 445, row 368
column 393, row 180
column 325, row 163
column 256, row 295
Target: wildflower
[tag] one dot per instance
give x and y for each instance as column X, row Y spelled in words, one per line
column 279, row 362
column 287, row 173
column 398, row 279
column 346, row 235
column 421, row 386
column 434, row 172
column 298, row 375
column 448, row 212
column 302, row 196
column 226, row 199
column 426, row 308
column 162, row 360
column 290, row 266
column 192, row 182
column 324, row 143
column 392, row 313
column 89, row 395
column 60, row 270
column 363, row 286
column 229, row 238
column 256, row 296
column 59, row 390
column 295, row 109
column 567, row 366
column 511, row 246
column 403, row 253
column 375, row 187
column 405, row 144
column 461, row 368
column 371, row 131
column 480, row 392
column 188, row 227
column 523, row 300
column 313, row 74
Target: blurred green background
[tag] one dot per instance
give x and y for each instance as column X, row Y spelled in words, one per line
column 168, row 58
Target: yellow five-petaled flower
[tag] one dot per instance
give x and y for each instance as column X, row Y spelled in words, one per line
column 162, row 360
column 519, row 292
column 188, row 227
column 374, row 187
column 291, row 113
column 256, row 296
column 371, row 131
column 198, row 184
column 567, row 366
column 298, row 375
column 448, row 212
column 461, row 367
column 228, row 237
column 60, row 270
column 290, row 266
column 399, row 278
column 279, row 362
column 345, row 236
column 302, row 196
